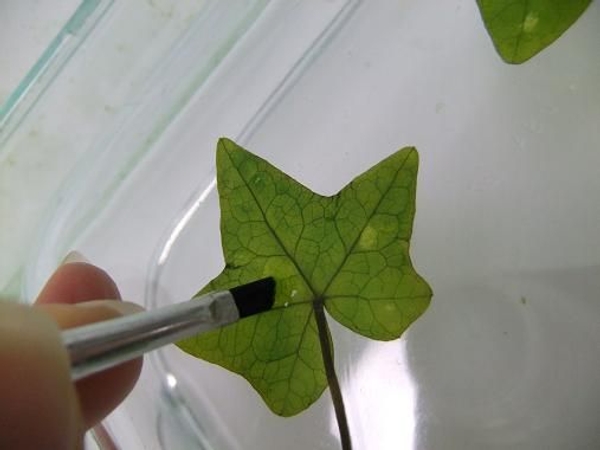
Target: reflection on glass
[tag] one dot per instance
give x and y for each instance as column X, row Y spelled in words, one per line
column 182, row 223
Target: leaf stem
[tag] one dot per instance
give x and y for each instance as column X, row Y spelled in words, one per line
column 334, row 385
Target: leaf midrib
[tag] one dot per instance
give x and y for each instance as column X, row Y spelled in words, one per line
column 271, row 229
column 357, row 238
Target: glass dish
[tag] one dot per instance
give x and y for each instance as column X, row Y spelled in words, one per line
column 505, row 232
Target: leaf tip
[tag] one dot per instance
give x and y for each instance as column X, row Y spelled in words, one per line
column 412, row 150
column 410, row 155
column 224, row 143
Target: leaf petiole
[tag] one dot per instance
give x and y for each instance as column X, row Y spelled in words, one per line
column 334, row 385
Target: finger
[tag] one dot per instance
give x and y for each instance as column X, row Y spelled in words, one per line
column 99, row 394
column 78, row 282
column 81, row 282
column 39, row 404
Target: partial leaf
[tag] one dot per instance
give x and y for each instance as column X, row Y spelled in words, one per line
column 522, row 28
column 349, row 251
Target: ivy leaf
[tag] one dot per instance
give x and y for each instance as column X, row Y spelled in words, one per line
column 520, row 29
column 348, row 252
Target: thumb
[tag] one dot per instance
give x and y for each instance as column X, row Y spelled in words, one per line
column 39, row 403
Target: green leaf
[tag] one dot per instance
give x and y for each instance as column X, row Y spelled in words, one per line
column 348, row 252
column 522, row 28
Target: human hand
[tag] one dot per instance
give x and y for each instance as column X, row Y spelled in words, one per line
column 40, row 408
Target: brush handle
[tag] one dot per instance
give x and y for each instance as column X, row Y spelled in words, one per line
column 101, row 345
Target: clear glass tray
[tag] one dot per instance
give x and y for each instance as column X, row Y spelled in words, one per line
column 507, row 219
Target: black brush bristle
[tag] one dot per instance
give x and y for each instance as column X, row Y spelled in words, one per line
column 254, row 298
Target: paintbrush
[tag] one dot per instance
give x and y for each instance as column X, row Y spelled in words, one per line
column 101, row 345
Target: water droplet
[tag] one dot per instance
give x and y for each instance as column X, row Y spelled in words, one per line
column 293, row 294
column 286, row 304
column 531, row 21
column 368, row 238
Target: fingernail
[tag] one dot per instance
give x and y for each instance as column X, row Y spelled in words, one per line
column 74, row 257
column 123, row 308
